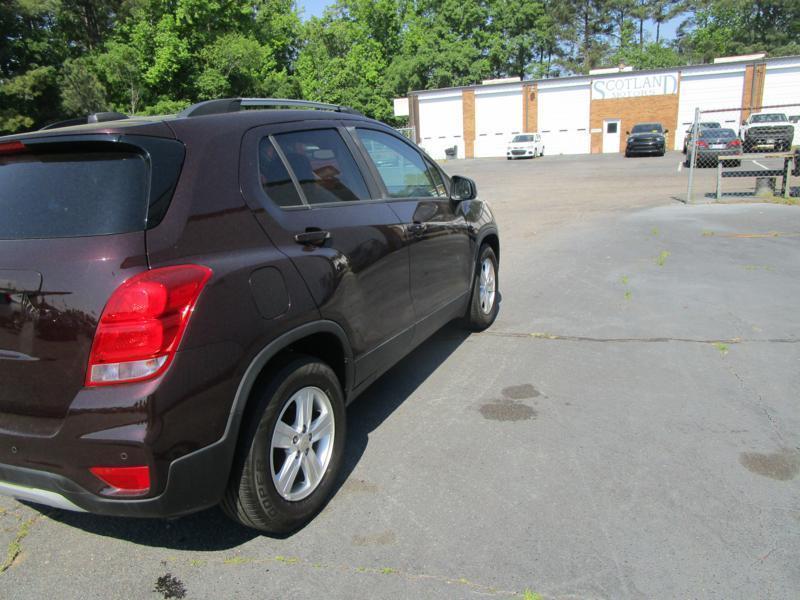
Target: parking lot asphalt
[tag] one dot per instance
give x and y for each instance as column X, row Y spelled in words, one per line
column 628, row 428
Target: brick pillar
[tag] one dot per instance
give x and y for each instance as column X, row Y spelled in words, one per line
column 468, row 110
column 530, row 108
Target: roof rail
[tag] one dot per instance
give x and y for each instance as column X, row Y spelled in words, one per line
column 98, row 117
column 228, row 105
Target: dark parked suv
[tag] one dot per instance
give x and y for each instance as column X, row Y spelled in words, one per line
column 188, row 303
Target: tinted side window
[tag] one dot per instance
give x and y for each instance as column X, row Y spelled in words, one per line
column 323, row 166
column 402, row 169
column 72, row 194
column 275, row 179
column 436, row 176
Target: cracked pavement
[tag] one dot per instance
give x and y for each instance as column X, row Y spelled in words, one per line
column 629, row 428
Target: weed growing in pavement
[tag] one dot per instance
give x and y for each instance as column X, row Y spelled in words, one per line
column 707, row 233
column 654, row 231
column 723, row 348
column 628, row 295
column 662, row 258
column 624, row 280
column 237, row 560
column 529, row 595
column 15, row 546
column 388, row 570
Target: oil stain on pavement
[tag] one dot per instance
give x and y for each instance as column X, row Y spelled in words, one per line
column 783, row 465
column 509, row 408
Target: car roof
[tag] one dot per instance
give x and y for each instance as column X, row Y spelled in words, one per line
column 165, row 125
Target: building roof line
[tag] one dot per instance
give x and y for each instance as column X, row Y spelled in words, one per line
column 681, row 68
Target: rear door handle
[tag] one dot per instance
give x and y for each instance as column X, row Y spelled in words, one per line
column 417, row 228
column 313, row 237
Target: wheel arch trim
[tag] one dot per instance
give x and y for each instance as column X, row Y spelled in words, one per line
column 271, row 350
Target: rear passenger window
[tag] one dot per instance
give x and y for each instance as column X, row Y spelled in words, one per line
column 275, row 179
column 402, row 169
column 323, row 166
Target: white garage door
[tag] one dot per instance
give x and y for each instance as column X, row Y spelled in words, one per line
column 563, row 111
column 498, row 117
column 710, row 89
column 782, row 84
column 441, row 122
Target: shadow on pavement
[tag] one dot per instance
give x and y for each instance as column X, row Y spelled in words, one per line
column 210, row 529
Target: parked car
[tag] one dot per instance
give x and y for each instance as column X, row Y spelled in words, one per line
column 646, row 138
column 713, row 143
column 525, row 145
column 766, row 131
column 218, row 286
column 704, row 125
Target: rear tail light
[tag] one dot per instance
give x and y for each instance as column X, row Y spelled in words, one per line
column 702, row 144
column 124, row 481
column 12, row 147
column 735, row 143
column 143, row 323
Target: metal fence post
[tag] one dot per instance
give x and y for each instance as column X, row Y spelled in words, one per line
column 692, row 154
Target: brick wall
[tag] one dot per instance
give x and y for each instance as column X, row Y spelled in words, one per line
column 530, row 108
column 468, row 112
column 643, row 109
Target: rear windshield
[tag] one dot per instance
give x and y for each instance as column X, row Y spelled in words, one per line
column 522, row 138
column 770, row 118
column 72, row 194
column 718, row 133
column 647, row 128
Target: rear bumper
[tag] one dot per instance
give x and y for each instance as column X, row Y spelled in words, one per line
column 195, row 481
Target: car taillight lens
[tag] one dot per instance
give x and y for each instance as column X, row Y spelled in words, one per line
column 735, row 143
column 142, row 324
column 124, row 481
column 12, row 147
column 702, row 144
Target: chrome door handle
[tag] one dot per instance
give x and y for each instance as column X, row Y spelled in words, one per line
column 314, row 237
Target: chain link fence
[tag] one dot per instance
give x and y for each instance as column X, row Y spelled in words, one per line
column 407, row 132
column 744, row 152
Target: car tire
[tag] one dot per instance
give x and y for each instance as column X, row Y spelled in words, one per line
column 484, row 302
column 253, row 498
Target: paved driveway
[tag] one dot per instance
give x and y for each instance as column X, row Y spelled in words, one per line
column 629, row 428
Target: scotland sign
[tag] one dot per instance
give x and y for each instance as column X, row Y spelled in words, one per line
column 635, row 85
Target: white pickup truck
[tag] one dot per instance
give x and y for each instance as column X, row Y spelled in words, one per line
column 767, row 131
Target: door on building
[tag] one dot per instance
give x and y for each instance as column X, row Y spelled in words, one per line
column 611, row 135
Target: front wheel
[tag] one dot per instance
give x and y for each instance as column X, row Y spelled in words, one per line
column 291, row 450
column 483, row 306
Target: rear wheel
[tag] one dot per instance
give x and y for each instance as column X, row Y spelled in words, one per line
column 483, row 306
column 291, row 453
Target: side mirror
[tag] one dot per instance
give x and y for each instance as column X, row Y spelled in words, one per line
column 463, row 188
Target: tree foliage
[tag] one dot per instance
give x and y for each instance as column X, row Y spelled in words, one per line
column 61, row 58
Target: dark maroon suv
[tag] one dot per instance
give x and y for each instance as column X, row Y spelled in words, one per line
column 188, row 303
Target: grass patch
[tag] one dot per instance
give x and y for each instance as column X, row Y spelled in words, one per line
column 624, row 280
column 662, row 258
column 388, row 570
column 289, row 560
column 654, row 231
column 530, row 595
column 237, row 560
column 15, row 546
column 723, row 348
